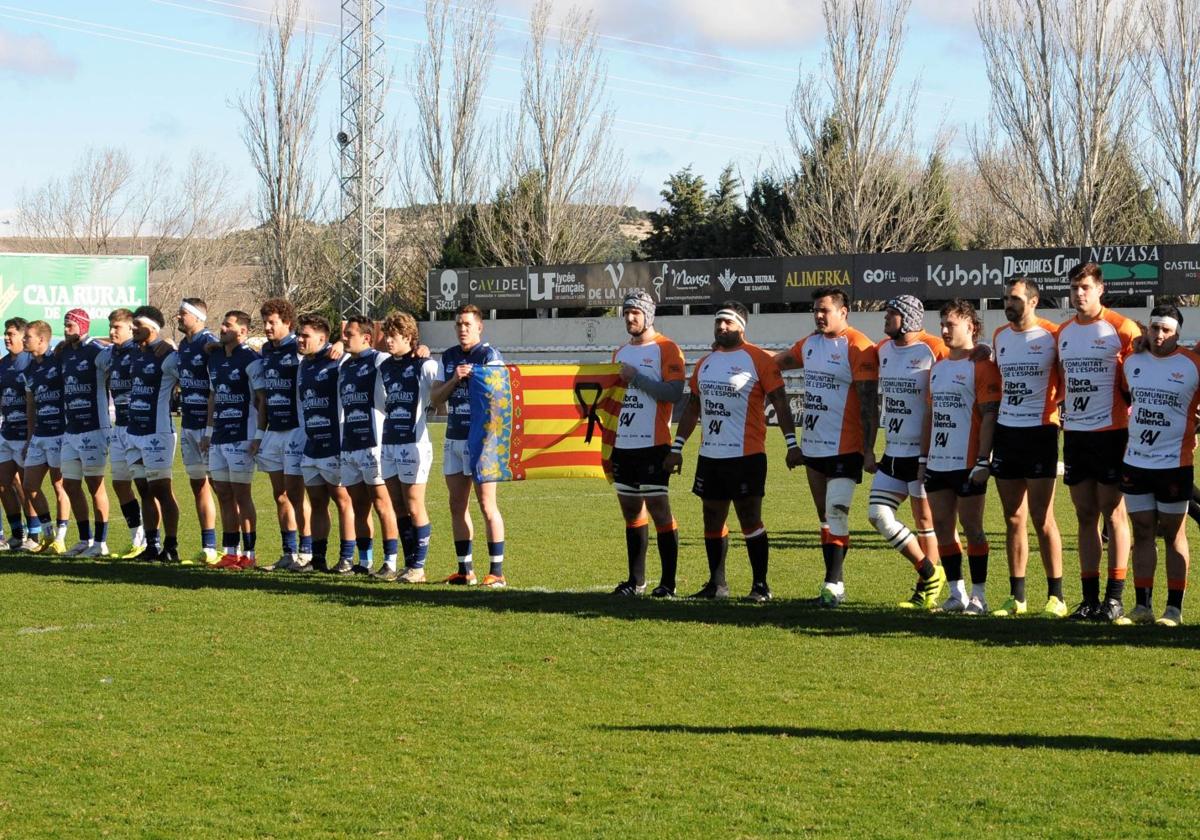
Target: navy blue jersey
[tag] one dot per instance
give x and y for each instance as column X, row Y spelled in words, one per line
column 43, row 379
column 320, row 406
column 458, row 406
column 85, row 384
column 120, row 379
column 407, row 382
column 12, row 396
column 193, row 379
column 280, row 362
column 233, row 378
column 362, row 400
column 155, row 372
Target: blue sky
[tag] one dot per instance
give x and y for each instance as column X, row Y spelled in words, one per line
column 701, row 82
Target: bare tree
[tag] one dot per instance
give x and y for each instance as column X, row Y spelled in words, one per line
column 564, row 180
column 280, row 125
column 1171, row 90
column 1063, row 99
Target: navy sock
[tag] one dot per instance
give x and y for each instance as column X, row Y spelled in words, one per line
column 208, row 538
column 422, row 550
column 249, row 540
column 229, row 541
column 16, row 526
column 85, row 529
column 496, row 558
column 306, row 544
column 408, row 537
column 132, row 512
column 101, row 531
column 347, row 551
column 462, row 548
column 320, row 548
column 365, row 545
column 289, row 541
column 391, row 548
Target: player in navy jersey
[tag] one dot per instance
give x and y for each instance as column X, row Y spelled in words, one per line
column 151, row 433
column 407, row 453
column 453, row 375
column 234, row 377
column 362, row 445
column 84, row 363
column 44, row 406
column 120, row 377
column 193, row 400
column 320, row 406
column 13, row 425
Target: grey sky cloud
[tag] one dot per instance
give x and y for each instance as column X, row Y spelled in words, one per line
column 32, row 56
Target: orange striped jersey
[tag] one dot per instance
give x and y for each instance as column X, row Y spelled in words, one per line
column 1028, row 362
column 957, row 390
column 832, row 424
column 904, row 390
column 645, row 421
column 1164, row 394
column 732, row 386
column 1090, row 354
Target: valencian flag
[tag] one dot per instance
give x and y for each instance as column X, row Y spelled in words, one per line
column 544, row 421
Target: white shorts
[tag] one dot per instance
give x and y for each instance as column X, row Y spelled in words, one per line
column 362, row 466
column 195, row 464
column 12, row 450
column 890, row 484
column 231, row 462
column 1145, row 502
column 321, row 470
column 455, row 458
column 44, row 451
column 117, row 460
column 409, row 462
column 281, row 452
column 84, row 454
column 151, row 456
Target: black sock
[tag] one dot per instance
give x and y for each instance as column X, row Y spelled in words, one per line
column 1016, row 585
column 320, row 547
column 716, row 548
column 1114, row 590
column 1175, row 599
column 1091, row 589
column 637, row 537
column 132, row 513
column 1144, row 596
column 926, row 569
column 952, row 563
column 758, row 548
column 668, row 555
column 1054, row 588
column 170, row 543
column 835, row 561
column 978, row 564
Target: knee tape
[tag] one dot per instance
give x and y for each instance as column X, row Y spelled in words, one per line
column 839, row 493
column 883, row 517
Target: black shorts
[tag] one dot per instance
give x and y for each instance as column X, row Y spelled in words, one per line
column 957, row 480
column 727, row 479
column 901, row 469
column 1167, row 486
column 849, row 465
column 1024, row 452
column 1095, row 456
column 637, row 471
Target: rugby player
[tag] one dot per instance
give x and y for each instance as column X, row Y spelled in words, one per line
column 653, row 373
column 1163, row 382
column 150, row 436
column 234, row 373
column 964, row 398
column 1025, row 449
column 43, row 451
column 362, row 394
column 85, row 363
column 840, row 422
column 1091, row 345
column 453, row 375
column 194, row 394
column 14, row 423
column 120, row 377
column 727, row 396
column 321, row 419
column 905, row 358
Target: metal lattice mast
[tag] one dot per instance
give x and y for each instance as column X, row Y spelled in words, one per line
column 364, row 244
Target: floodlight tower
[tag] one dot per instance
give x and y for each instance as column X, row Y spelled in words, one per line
column 363, row 239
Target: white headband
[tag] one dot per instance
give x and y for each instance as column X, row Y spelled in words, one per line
column 147, row 322
column 729, row 315
column 200, row 314
column 1166, row 321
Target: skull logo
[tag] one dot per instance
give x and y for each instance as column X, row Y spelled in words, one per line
column 449, row 285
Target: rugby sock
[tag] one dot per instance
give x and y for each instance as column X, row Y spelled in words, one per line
column 16, row 526
column 170, row 542
column 716, row 546
column 1016, row 586
column 834, row 552
column 408, row 537
column 977, row 559
column 249, row 540
column 758, row 548
column 306, row 544
column 391, row 548
column 496, row 558
column 637, row 539
column 229, row 542
column 101, row 533
column 346, row 552
column 132, row 512
column 35, row 527
column 60, row 530
column 1054, row 588
column 1115, row 587
column 1091, row 587
column 366, row 550
column 289, row 541
column 1175, row 590
column 85, row 530
column 925, row 568
column 208, row 539
column 668, row 553
column 422, row 532
column 1143, row 591
column 320, row 548
column 466, row 564
column 951, row 554
column 152, row 537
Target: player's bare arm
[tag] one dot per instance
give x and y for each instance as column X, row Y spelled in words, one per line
column 988, row 412
column 868, row 409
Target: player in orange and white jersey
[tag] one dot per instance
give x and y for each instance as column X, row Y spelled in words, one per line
column 964, row 398
column 728, row 393
column 652, row 369
column 905, row 359
column 1095, row 417
column 1025, row 450
column 1163, row 382
column 841, row 418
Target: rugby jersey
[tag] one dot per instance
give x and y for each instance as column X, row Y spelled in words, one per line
column 1090, row 354
column 957, row 390
column 458, row 405
column 1028, row 362
column 407, row 384
column 732, row 386
column 1164, row 395
column 644, row 421
column 832, row 424
column 904, row 391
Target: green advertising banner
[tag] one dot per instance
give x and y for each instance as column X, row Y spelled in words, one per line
column 44, row 286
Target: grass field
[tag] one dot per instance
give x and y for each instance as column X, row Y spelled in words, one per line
column 172, row 702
